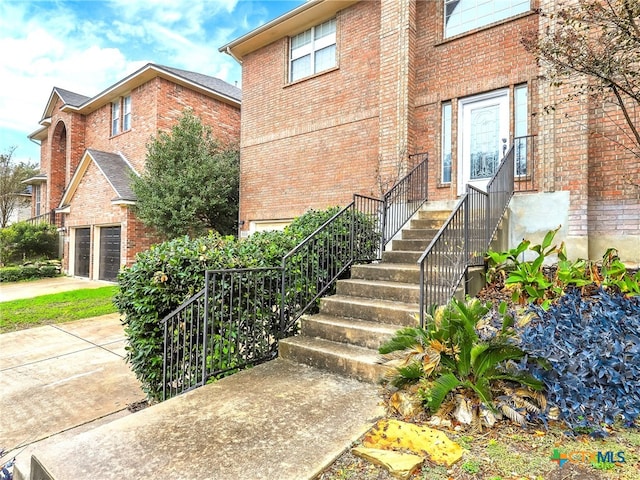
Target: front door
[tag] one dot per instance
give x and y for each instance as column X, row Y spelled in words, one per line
column 484, row 127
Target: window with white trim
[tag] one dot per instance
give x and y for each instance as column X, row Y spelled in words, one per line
column 461, row 16
column 121, row 115
column 115, row 118
column 313, row 51
column 446, row 143
column 521, row 122
column 37, row 199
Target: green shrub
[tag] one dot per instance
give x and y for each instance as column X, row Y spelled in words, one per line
column 166, row 275
column 30, row 271
column 23, row 241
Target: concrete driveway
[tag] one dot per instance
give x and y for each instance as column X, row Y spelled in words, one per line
column 60, row 378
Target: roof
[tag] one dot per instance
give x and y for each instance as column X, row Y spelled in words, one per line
column 295, row 21
column 211, row 82
column 70, row 98
column 74, row 102
column 116, row 170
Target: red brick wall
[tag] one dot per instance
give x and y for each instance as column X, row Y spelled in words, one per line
column 447, row 70
column 313, row 143
column 156, row 105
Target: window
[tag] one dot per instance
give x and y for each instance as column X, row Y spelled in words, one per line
column 126, row 113
column 463, row 15
column 37, row 199
column 115, row 118
column 521, row 122
column 121, row 123
column 313, row 50
column 446, row 143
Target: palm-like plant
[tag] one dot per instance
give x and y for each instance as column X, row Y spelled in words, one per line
column 450, row 352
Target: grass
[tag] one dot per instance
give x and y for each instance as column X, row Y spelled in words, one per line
column 56, row 308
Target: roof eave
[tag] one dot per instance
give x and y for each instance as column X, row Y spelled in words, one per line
column 297, row 20
column 140, row 77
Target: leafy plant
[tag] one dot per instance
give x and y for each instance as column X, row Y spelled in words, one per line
column 30, row 271
column 452, row 357
column 23, row 241
column 593, row 346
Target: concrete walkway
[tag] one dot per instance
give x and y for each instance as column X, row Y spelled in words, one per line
column 66, row 387
column 276, row 421
column 59, row 377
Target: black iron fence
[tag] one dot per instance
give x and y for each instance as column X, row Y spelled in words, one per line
column 523, row 163
column 465, row 236
column 52, row 218
column 238, row 318
column 405, row 197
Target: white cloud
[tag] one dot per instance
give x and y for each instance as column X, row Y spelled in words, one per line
column 86, row 46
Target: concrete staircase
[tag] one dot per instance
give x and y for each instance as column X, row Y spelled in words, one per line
column 368, row 308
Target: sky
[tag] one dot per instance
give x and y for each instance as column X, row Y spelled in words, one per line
column 86, row 46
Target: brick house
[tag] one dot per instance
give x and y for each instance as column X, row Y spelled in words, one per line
column 89, row 147
column 338, row 94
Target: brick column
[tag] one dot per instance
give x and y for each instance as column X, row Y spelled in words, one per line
column 397, row 85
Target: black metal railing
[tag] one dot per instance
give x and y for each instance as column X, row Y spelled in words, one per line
column 237, row 320
column 52, row 218
column 405, row 197
column 465, row 236
column 524, row 164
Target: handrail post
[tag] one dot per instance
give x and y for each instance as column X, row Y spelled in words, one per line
column 422, row 294
column 205, row 326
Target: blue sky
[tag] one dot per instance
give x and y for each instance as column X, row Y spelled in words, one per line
column 87, row 45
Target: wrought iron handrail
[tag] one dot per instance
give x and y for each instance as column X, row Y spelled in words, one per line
column 464, row 237
column 259, row 309
column 52, row 218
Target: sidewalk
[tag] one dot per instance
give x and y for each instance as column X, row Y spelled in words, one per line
column 58, row 377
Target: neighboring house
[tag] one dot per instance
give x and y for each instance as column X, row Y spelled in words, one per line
column 338, row 94
column 90, row 147
column 22, row 209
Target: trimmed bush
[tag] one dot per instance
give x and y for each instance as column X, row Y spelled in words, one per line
column 593, row 346
column 23, row 241
column 168, row 274
column 30, row 271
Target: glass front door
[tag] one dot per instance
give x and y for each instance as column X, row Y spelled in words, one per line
column 484, row 127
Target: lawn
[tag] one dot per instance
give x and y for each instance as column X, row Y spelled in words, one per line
column 56, row 308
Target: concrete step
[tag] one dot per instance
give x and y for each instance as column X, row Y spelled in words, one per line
column 372, row 310
column 395, row 291
column 419, row 233
column 441, row 215
column 413, row 245
column 348, row 360
column 347, row 330
column 425, row 223
column 405, row 257
column 387, row 272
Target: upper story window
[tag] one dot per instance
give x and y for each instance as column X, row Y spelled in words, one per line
column 463, row 15
column 313, row 50
column 121, row 115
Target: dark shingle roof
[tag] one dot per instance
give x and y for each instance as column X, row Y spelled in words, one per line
column 211, row 83
column 116, row 170
column 70, row 98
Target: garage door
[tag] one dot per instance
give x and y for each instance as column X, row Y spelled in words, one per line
column 109, row 253
column 82, row 252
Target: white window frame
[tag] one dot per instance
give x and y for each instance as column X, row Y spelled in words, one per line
column 311, row 48
column 467, row 15
column 126, row 113
column 447, row 144
column 37, row 196
column 115, row 118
